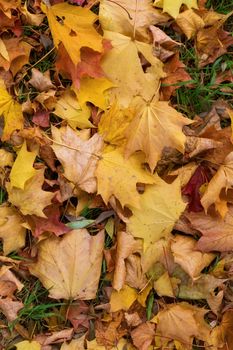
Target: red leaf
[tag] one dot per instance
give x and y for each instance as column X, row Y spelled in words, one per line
column 89, row 65
column 78, row 314
column 41, row 118
column 50, row 224
column 200, row 176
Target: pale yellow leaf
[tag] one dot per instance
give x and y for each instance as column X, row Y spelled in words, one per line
column 22, row 169
column 3, row 50
column 28, row 345
column 32, row 200
column 172, row 7
column 68, row 108
column 70, row 267
column 6, row 158
column 117, row 176
column 166, row 285
column 78, row 157
column 126, row 245
column 129, row 17
column 117, row 68
column 65, row 19
column 161, row 206
column 12, row 231
column 75, row 344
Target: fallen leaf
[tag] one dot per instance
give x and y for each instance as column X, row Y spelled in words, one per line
column 69, row 109
column 116, row 68
column 211, row 43
column 222, row 179
column 64, row 19
column 75, row 344
column 129, row 17
column 78, row 157
column 176, row 72
column 155, row 126
column 12, row 231
column 31, row 18
column 170, row 323
column 12, row 112
column 166, row 285
column 70, row 267
column 32, row 200
column 6, row 158
column 89, row 66
column 126, row 245
column 172, row 7
column 221, row 336
column 192, row 188
column 216, row 232
column 22, row 169
column 10, row 308
column 135, row 277
column 164, row 46
column 143, row 335
column 51, row 223
column 202, row 288
column 158, row 214
column 41, row 81
column 113, row 124
column 108, row 334
column 190, row 23
column 18, row 52
column 118, row 177
column 185, row 254
column 28, row 345
column 123, row 299
column 94, row 91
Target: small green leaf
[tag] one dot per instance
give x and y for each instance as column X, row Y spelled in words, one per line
column 80, row 224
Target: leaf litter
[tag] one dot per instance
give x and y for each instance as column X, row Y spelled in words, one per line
column 116, row 189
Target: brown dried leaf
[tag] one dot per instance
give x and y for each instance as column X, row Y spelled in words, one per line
column 70, row 266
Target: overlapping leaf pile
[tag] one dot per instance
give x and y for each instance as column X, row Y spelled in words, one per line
column 120, row 205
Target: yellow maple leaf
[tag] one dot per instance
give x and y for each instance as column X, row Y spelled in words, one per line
column 70, row 266
column 123, row 67
column 129, row 17
column 32, row 199
column 156, row 125
column 161, row 206
column 113, row 124
column 117, row 176
column 73, row 26
column 172, row 7
column 22, row 169
column 28, row 345
column 94, row 91
column 6, row 158
column 11, row 111
column 11, row 230
column 69, row 109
